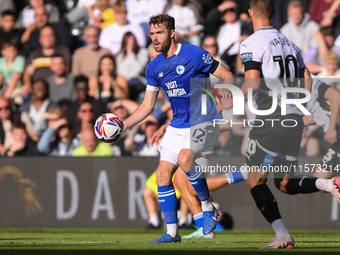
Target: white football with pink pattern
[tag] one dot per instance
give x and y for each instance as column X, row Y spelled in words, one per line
column 108, row 128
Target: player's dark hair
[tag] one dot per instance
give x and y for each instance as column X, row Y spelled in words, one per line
column 164, row 19
column 10, row 42
column 81, row 78
column 8, row 13
column 18, row 125
column 263, row 8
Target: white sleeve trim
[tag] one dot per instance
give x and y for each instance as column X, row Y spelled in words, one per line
column 152, row 88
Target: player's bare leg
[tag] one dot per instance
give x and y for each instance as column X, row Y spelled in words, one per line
column 186, row 160
column 150, row 200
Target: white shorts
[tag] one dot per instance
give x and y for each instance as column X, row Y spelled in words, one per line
column 199, row 138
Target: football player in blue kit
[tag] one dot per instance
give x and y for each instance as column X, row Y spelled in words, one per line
column 191, row 133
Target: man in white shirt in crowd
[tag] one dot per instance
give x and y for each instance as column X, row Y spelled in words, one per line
column 111, row 37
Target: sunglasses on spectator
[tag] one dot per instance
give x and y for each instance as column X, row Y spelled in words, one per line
column 86, row 110
column 5, row 108
column 231, row 10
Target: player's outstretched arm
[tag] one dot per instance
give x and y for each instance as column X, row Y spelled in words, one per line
column 333, row 96
column 143, row 111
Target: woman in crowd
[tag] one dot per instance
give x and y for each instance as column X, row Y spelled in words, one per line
column 108, row 85
column 131, row 63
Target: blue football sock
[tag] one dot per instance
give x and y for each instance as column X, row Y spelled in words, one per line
column 198, row 181
column 168, row 202
column 198, row 218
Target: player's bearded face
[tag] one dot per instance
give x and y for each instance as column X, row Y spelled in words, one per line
column 160, row 37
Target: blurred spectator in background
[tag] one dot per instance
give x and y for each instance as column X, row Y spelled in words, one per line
column 141, row 145
column 101, row 15
column 228, row 144
column 81, row 89
column 80, row 63
column 60, row 83
column 108, row 85
column 84, row 118
column 7, row 30
column 6, row 120
column 187, row 23
column 281, row 8
column 12, row 67
column 139, row 11
column 27, row 15
column 90, row 146
column 57, row 138
column 31, row 37
column 80, row 12
column 209, row 43
column 112, row 36
column 332, row 18
column 123, row 108
column 131, row 63
column 325, row 40
column 330, row 69
column 32, row 112
column 230, row 32
column 22, row 145
column 7, row 5
column 300, row 28
column 39, row 62
column 318, row 9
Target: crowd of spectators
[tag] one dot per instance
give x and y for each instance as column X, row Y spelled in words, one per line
column 63, row 65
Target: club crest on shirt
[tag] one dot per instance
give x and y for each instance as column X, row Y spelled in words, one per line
column 246, row 57
column 207, row 58
column 180, row 69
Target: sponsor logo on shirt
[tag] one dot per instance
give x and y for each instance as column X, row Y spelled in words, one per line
column 180, row 69
column 207, row 58
column 160, row 75
column 246, row 57
column 173, row 90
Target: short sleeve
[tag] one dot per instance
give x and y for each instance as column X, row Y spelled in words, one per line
column 152, row 84
column 250, row 52
column 19, row 64
column 203, row 60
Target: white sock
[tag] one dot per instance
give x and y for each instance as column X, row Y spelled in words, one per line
column 280, row 229
column 153, row 219
column 182, row 221
column 324, row 184
column 207, row 205
column 172, row 230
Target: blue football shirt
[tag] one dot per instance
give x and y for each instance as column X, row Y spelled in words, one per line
column 174, row 74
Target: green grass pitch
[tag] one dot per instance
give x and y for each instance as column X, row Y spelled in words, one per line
column 61, row 241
